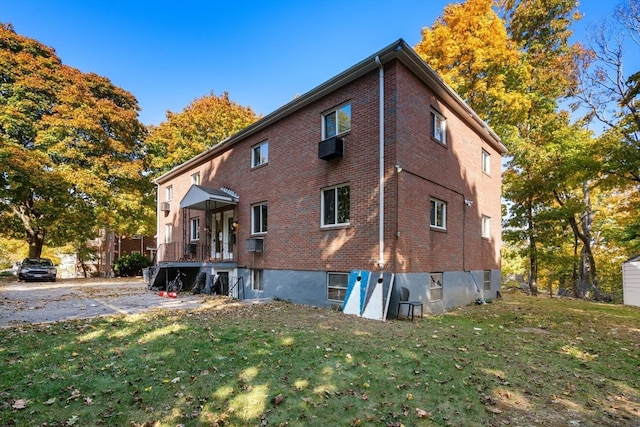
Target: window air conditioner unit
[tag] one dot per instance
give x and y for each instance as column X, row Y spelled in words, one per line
column 330, row 148
column 254, row 245
column 165, row 206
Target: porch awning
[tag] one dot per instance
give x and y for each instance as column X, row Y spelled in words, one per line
column 201, row 198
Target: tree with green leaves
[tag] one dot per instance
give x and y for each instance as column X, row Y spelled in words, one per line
column 515, row 71
column 71, row 149
column 204, row 123
column 611, row 94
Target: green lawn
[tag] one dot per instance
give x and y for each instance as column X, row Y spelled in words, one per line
column 519, row 361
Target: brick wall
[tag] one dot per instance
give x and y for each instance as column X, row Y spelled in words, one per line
column 292, row 180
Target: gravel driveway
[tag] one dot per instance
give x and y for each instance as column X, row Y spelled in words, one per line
column 38, row 302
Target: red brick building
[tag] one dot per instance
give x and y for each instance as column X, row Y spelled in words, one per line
column 381, row 168
column 111, row 246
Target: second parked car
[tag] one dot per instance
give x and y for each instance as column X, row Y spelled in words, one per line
column 37, row 269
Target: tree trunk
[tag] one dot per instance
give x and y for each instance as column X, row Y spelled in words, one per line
column 588, row 276
column 35, row 238
column 533, row 254
column 574, row 270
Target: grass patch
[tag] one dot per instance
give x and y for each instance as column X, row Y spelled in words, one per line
column 518, row 361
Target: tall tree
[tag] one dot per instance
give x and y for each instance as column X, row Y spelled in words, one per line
column 611, row 94
column 513, row 71
column 471, row 50
column 70, row 147
column 202, row 124
column 542, row 29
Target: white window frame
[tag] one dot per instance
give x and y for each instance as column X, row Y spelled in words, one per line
column 436, row 288
column 486, row 280
column 195, row 178
column 194, row 229
column 337, row 287
column 260, row 154
column 343, row 110
column 337, row 206
column 257, row 279
column 168, row 233
column 486, row 162
column 438, row 127
column 168, row 193
column 438, row 214
column 261, row 209
column 486, row 226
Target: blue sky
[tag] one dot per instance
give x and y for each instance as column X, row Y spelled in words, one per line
column 264, row 53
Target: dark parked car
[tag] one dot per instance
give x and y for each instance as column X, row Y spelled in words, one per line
column 37, row 269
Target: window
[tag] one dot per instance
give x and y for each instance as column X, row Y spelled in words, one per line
column 438, row 217
column 486, row 162
column 195, row 229
column 487, row 280
column 168, row 194
column 257, row 282
column 259, row 218
column 260, row 154
column 438, row 127
column 335, row 206
column 435, row 287
column 486, row 226
column 195, row 178
column 168, row 233
column 336, row 121
column 337, row 286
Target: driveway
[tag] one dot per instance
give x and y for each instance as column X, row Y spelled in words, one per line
column 38, row 302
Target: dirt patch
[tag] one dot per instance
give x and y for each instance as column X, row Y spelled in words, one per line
column 39, row 302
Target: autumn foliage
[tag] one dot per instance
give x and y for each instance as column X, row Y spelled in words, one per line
column 70, row 147
column 202, row 124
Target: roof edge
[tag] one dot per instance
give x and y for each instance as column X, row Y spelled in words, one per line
column 396, row 50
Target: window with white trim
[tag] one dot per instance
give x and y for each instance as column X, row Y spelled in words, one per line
column 195, row 178
column 336, row 121
column 486, row 162
column 168, row 193
column 335, row 206
column 259, row 218
column 337, row 286
column 260, row 154
column 438, row 214
column 195, row 229
column 257, row 280
column 486, row 226
column 435, row 287
column 438, row 127
column 487, row 280
column 168, row 233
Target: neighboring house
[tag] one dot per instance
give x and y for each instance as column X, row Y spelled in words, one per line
column 111, row 246
column 343, row 179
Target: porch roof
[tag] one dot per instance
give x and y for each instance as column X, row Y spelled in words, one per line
column 201, row 198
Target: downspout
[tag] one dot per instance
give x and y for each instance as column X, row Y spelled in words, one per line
column 381, row 178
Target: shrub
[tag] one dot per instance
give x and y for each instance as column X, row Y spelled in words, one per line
column 131, row 265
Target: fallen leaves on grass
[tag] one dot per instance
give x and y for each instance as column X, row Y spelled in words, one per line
column 278, row 399
column 19, row 404
column 421, row 413
column 75, row 395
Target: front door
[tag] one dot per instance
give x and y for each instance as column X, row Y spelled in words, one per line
column 228, row 235
column 223, row 236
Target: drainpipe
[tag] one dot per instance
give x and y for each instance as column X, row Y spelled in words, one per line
column 381, row 179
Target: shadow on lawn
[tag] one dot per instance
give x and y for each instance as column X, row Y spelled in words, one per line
column 521, row 362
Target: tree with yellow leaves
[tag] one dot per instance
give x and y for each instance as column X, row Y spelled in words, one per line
column 515, row 71
column 71, row 151
column 202, row 124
